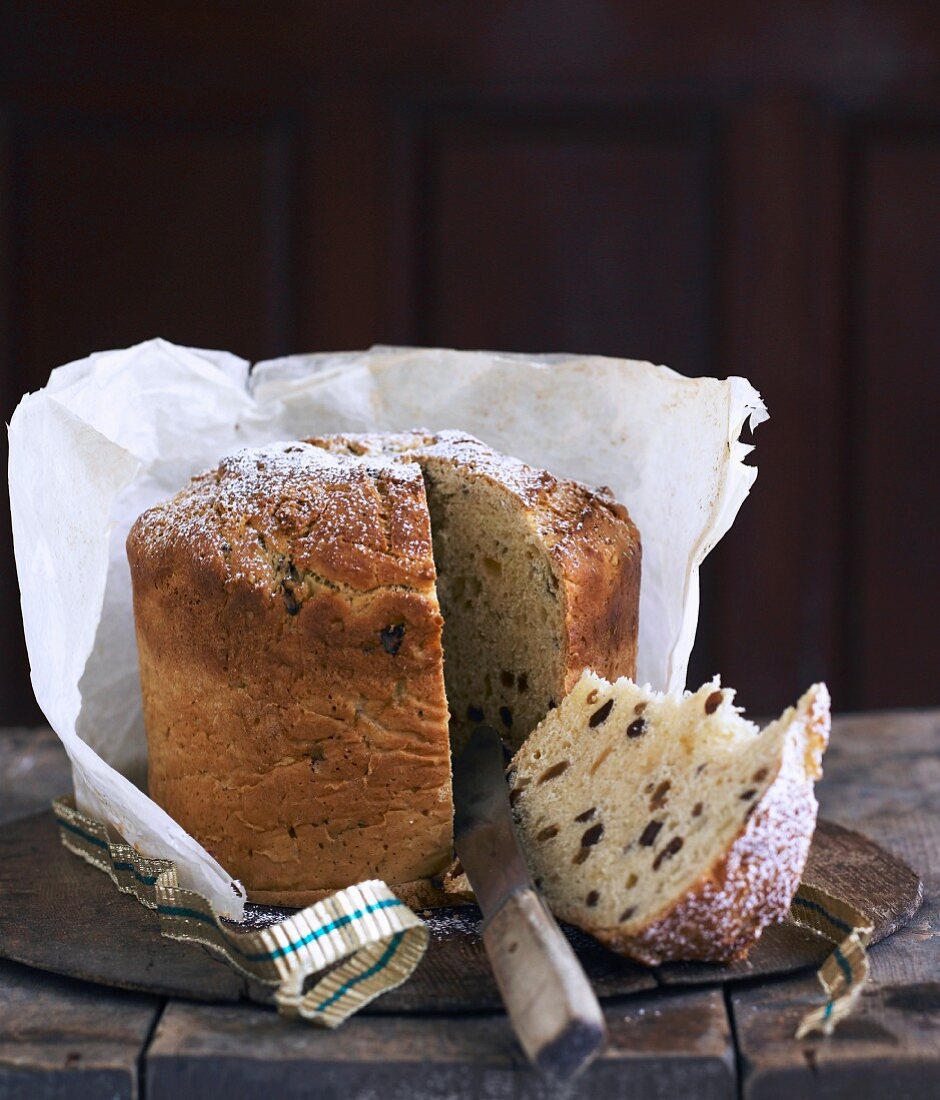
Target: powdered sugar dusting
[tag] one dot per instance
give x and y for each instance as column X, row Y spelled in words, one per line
column 462, row 921
column 256, row 917
column 357, row 521
column 560, row 507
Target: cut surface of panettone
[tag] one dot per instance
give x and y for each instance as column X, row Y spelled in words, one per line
column 668, row 827
column 538, row 577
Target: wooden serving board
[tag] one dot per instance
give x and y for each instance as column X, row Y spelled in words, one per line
column 58, row 913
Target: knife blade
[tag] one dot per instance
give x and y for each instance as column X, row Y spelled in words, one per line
column 547, row 995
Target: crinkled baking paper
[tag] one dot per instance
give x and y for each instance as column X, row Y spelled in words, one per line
column 112, row 434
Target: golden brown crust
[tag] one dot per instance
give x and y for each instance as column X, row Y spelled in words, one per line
column 598, row 562
column 423, row 893
column 290, row 653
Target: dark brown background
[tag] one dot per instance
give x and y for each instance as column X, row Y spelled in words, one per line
column 730, row 188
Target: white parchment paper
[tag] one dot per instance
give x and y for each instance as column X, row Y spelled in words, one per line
column 116, row 432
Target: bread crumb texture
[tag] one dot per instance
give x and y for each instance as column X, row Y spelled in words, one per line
column 668, row 826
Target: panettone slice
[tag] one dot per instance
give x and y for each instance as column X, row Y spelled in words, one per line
column 667, row 826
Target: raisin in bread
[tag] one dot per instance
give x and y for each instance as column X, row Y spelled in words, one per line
column 538, row 578
column 289, row 640
column 668, row 827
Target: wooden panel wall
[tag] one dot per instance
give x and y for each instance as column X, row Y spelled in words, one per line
column 894, row 339
column 132, row 226
column 535, row 231
column 730, row 189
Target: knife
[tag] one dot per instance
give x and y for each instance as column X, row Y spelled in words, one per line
column 547, row 995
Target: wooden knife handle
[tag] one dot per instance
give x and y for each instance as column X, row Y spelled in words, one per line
column 547, row 994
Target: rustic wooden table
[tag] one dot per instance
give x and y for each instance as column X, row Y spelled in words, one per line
column 60, row 1037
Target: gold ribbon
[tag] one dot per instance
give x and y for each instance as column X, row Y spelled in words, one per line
column 373, row 936
column 845, row 971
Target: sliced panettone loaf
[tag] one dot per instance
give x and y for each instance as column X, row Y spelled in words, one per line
column 290, row 643
column 669, row 827
column 538, row 578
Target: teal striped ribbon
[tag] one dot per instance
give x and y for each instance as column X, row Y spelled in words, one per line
column 365, row 939
column 845, row 971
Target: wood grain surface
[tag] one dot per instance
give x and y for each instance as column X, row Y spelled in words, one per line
column 72, row 920
column 63, row 1038
column 111, row 938
column 882, row 777
column 554, row 1010
column 847, row 865
column 33, row 770
column 661, row 1047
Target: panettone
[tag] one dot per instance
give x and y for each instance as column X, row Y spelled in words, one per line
column 290, row 643
column 667, row 826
